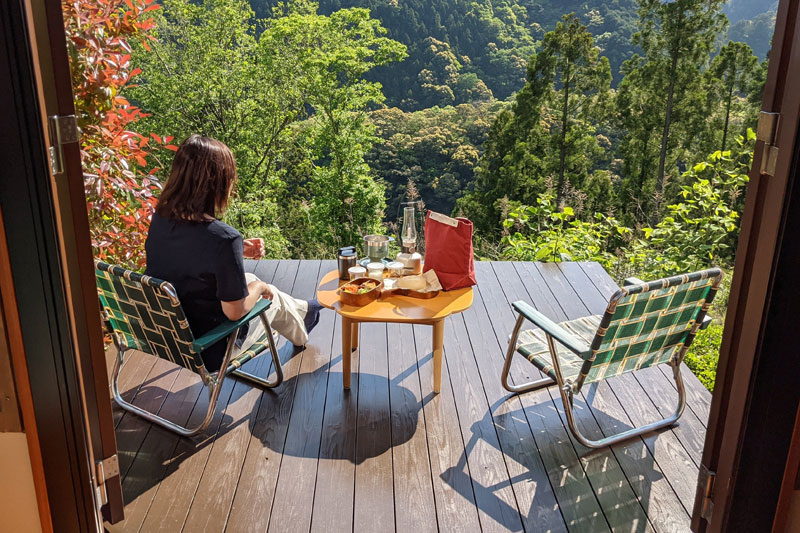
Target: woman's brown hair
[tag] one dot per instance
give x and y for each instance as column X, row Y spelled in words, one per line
column 202, row 177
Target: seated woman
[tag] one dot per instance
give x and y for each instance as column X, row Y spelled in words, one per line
column 203, row 257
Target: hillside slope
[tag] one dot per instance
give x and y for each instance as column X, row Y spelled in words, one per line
column 463, row 51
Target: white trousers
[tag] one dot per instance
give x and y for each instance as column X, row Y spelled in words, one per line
column 286, row 315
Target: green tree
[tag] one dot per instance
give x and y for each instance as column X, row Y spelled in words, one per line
column 575, row 81
column 332, row 55
column 549, row 134
column 290, row 101
column 676, row 39
column 734, row 73
column 437, row 148
column 639, row 113
column 204, row 75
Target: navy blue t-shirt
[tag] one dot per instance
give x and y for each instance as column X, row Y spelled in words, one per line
column 203, row 261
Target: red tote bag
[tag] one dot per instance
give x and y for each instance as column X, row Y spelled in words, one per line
column 448, row 250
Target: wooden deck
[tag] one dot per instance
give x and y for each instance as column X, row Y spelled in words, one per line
column 389, row 455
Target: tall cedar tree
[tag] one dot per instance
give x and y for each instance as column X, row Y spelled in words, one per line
column 734, row 73
column 677, row 39
column 550, row 129
column 575, row 81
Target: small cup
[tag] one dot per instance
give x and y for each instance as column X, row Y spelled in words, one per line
column 375, row 271
column 395, row 269
column 356, row 272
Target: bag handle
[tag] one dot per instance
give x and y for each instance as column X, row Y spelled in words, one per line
column 444, row 219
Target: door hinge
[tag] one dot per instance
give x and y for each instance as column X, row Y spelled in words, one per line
column 63, row 130
column 767, row 129
column 707, row 482
column 105, row 470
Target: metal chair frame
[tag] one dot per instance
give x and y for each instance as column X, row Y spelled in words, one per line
column 568, row 389
column 212, row 381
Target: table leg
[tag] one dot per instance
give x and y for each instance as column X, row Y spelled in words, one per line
column 438, row 344
column 354, row 338
column 347, row 350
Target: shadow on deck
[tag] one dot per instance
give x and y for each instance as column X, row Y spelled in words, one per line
column 390, row 455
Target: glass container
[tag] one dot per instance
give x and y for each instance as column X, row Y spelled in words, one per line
column 408, row 237
column 395, row 269
column 375, row 271
column 356, row 272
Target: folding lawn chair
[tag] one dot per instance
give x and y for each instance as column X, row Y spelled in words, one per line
column 144, row 313
column 645, row 324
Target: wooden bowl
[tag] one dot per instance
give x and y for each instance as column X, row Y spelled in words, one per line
column 359, row 300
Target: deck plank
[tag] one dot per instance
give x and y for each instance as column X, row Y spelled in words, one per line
column 455, row 498
column 133, row 429
column 171, row 508
column 374, row 486
column 577, row 501
column 674, row 461
column 130, row 381
column 614, row 493
column 185, row 468
column 334, row 491
column 143, row 478
column 640, row 457
column 214, row 495
column 291, row 509
column 663, row 396
column 413, row 487
column 391, row 455
column 497, row 505
column 528, row 477
column 657, row 497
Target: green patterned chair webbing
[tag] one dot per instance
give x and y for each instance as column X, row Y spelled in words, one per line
column 144, row 314
column 532, row 344
column 644, row 325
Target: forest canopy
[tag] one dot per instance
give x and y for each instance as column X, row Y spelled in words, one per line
column 618, row 131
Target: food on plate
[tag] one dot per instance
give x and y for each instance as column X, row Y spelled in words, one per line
column 360, row 288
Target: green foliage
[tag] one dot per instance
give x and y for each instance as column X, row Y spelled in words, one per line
column 545, row 233
column 701, row 229
column 549, row 134
column 249, row 214
column 575, row 81
column 289, row 96
column 332, row 55
column 438, row 149
column 732, row 76
column 703, row 354
column 206, row 75
column 676, row 39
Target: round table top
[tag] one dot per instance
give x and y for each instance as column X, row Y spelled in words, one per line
column 394, row 308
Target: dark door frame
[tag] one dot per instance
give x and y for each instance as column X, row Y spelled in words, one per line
column 50, row 263
column 756, row 398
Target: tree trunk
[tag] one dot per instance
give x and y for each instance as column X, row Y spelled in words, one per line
column 676, row 50
column 727, row 116
column 643, row 173
column 564, row 126
column 665, row 137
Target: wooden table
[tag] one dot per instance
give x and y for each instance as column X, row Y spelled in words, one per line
column 403, row 309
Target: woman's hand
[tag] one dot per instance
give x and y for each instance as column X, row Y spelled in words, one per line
column 266, row 292
column 253, row 248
